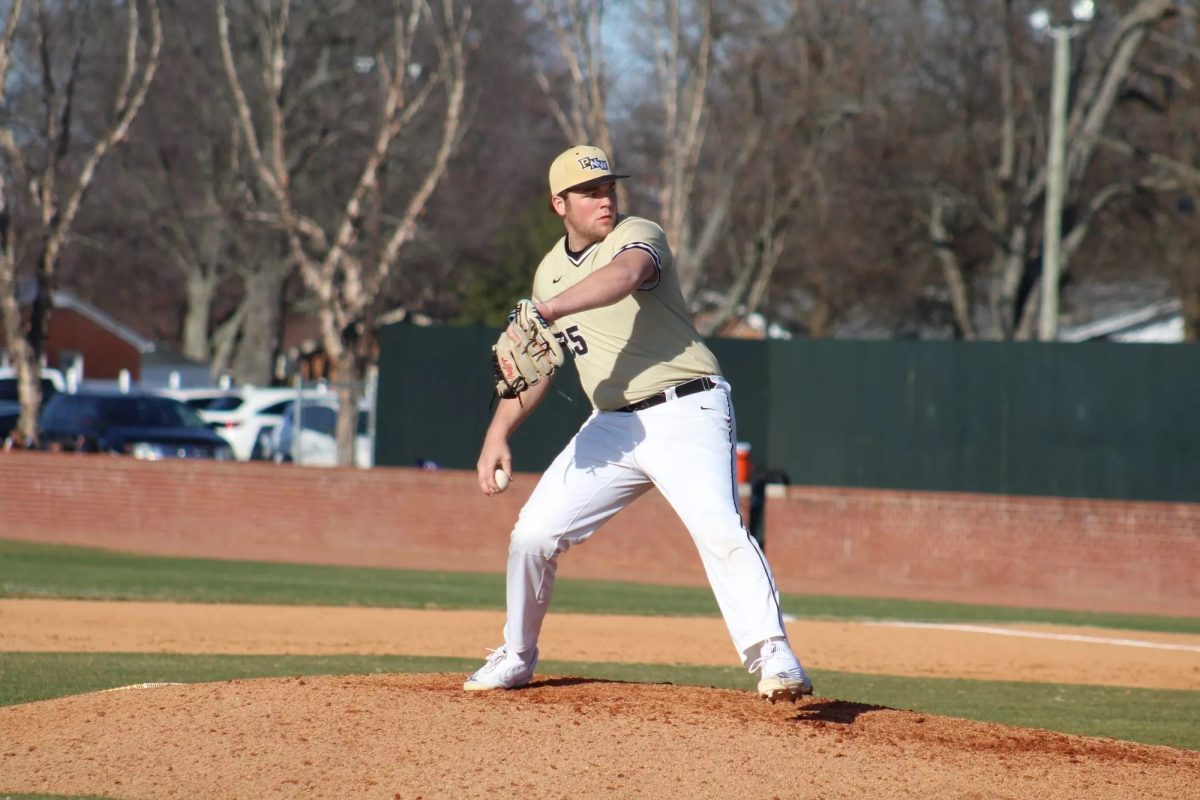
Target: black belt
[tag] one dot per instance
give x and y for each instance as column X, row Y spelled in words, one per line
column 681, row 390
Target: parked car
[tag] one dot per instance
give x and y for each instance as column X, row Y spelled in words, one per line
column 317, row 443
column 139, row 424
column 248, row 419
column 200, row 398
column 10, row 413
column 52, row 383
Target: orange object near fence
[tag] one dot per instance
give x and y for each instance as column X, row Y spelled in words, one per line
column 743, row 462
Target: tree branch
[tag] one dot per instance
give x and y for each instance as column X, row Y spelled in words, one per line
column 943, row 244
column 127, row 107
column 1184, row 172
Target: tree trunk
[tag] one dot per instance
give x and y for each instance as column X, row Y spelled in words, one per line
column 224, row 340
column 43, row 301
column 1190, row 308
column 29, row 388
column 254, row 362
column 200, row 288
column 351, row 382
column 819, row 321
column 956, row 283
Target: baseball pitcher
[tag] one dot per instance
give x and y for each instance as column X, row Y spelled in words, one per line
column 608, row 294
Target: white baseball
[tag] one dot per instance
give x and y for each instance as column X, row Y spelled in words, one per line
column 501, row 480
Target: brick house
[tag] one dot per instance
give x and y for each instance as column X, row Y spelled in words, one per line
column 82, row 335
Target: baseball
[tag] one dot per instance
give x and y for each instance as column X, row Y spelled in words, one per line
column 501, row 480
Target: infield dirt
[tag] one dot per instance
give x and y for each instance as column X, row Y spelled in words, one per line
column 410, row 736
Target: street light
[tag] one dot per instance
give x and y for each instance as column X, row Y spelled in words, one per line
column 1061, row 30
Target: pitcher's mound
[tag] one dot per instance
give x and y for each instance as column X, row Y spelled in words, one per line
column 409, row 736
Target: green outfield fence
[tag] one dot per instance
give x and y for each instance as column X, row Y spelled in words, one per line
column 1103, row 420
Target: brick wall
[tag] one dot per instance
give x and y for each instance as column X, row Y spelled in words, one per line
column 1064, row 553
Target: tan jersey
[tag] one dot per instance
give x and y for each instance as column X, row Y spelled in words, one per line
column 641, row 344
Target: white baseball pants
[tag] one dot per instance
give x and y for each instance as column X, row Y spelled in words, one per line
column 687, row 448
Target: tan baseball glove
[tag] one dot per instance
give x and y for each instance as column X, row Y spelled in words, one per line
column 521, row 364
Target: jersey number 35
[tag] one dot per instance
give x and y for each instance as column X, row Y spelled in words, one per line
column 573, row 339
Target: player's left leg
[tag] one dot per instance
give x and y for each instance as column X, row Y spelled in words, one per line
column 689, row 451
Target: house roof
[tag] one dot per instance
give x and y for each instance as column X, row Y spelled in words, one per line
column 65, row 299
column 1156, row 322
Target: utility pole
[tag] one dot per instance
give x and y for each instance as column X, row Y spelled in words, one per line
column 1060, row 29
column 1055, row 172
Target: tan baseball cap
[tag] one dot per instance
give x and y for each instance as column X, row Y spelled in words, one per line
column 580, row 167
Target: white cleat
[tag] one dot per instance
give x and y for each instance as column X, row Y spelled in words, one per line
column 504, row 669
column 780, row 675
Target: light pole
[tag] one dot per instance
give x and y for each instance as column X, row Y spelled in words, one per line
column 1061, row 30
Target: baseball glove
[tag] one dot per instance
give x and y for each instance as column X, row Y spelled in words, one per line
column 521, row 364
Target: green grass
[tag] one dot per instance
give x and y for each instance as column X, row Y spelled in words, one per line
column 1150, row 716
column 53, row 571
column 40, row 570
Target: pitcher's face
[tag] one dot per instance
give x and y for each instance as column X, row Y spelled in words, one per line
column 589, row 214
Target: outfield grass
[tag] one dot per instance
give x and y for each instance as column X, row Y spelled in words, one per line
column 40, row 570
column 1150, row 716
column 51, row 571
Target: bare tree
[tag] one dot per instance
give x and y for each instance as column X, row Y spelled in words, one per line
column 1177, row 225
column 53, row 170
column 1006, row 205
column 683, row 60
column 579, row 102
column 582, row 115
column 1168, row 90
column 798, row 215
column 335, row 256
column 178, row 195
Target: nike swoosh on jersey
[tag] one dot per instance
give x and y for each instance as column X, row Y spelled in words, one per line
column 556, row 280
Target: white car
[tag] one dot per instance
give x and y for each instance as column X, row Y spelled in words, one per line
column 317, row 444
column 249, row 419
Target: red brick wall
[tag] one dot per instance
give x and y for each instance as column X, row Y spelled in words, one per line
column 1083, row 554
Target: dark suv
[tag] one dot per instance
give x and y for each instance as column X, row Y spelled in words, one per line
column 141, row 425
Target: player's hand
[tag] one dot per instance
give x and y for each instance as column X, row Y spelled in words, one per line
column 495, row 455
column 543, row 309
column 546, row 311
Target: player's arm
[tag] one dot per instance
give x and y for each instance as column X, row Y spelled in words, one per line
column 619, row 278
column 509, row 415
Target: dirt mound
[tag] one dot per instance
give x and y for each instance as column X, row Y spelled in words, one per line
column 410, row 736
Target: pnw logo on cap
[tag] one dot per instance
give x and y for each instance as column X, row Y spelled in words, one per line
column 591, row 162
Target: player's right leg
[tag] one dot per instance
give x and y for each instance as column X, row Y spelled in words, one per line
column 590, row 481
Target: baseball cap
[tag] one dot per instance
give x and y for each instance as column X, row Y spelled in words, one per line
column 579, row 167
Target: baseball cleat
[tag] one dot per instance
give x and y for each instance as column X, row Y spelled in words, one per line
column 780, row 675
column 504, row 669
column 776, row 688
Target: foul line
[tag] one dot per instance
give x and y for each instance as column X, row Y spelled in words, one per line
column 1062, row 637
column 154, row 685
